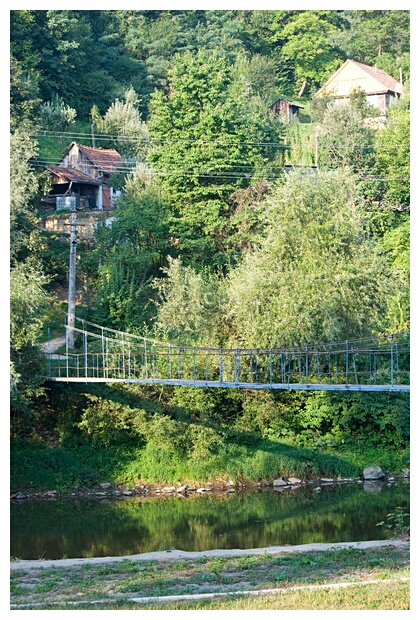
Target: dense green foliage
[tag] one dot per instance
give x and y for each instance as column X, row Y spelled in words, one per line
column 213, row 242
column 315, row 277
column 207, row 142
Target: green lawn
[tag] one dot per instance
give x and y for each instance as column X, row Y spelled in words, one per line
column 375, row 578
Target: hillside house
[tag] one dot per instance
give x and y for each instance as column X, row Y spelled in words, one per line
column 80, row 180
column 287, row 110
column 381, row 89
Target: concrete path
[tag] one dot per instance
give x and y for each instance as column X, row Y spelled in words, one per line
column 176, row 554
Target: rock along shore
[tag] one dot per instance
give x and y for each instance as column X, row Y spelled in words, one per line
column 373, row 479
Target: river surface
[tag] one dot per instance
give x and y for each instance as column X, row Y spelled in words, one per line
column 56, row 529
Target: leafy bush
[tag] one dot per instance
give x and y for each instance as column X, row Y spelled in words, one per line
column 110, row 423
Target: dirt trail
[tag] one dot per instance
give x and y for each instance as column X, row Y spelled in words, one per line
column 53, row 344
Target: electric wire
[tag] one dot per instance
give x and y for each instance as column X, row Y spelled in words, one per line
column 246, row 172
column 199, row 141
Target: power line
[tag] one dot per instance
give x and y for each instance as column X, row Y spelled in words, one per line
column 274, row 172
column 148, row 140
column 129, row 166
column 152, row 141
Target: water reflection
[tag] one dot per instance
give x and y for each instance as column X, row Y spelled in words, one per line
column 89, row 528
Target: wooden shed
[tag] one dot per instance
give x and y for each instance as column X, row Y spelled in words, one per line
column 287, row 110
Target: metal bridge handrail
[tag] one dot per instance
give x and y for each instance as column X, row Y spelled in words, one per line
column 294, row 349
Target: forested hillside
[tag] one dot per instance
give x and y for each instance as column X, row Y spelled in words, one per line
column 234, row 228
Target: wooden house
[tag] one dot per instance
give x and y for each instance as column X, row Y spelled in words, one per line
column 80, row 180
column 380, row 88
column 287, row 110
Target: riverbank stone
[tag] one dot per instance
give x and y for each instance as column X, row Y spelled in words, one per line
column 279, row 482
column 373, row 472
column 18, row 495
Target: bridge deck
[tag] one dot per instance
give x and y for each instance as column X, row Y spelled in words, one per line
column 96, row 354
column 351, row 387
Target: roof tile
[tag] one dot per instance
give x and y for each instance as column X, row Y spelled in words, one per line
column 106, row 159
column 378, row 74
column 72, row 174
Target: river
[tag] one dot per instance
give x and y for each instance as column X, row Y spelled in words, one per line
column 55, row 529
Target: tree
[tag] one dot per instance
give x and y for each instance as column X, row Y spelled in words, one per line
column 344, row 140
column 379, row 37
column 190, row 306
column 27, row 281
column 359, row 103
column 24, row 95
column 28, row 301
column 123, row 120
column 395, row 244
column 24, row 185
column 315, row 276
column 207, row 144
column 57, row 116
column 255, row 76
column 392, row 156
column 387, row 191
column 308, row 43
column 131, row 252
column 79, row 56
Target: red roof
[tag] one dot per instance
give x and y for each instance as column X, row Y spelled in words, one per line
column 105, row 159
column 72, row 174
column 388, row 82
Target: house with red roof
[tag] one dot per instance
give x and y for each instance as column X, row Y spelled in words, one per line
column 381, row 89
column 81, row 179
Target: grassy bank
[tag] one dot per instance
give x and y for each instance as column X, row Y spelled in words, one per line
column 371, row 579
column 36, row 466
column 81, row 435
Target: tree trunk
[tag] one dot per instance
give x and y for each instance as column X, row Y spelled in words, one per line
column 302, row 89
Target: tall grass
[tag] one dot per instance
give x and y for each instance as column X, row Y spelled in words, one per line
column 39, row 467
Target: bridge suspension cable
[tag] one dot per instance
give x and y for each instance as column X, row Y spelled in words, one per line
column 102, row 354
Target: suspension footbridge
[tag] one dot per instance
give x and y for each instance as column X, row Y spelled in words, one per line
column 99, row 354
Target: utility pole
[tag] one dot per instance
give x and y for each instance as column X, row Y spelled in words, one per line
column 72, row 280
column 316, row 150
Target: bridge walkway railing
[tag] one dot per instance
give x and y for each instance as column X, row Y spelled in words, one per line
column 103, row 354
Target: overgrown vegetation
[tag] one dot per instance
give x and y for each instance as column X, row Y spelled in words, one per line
column 214, row 243
column 185, row 434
